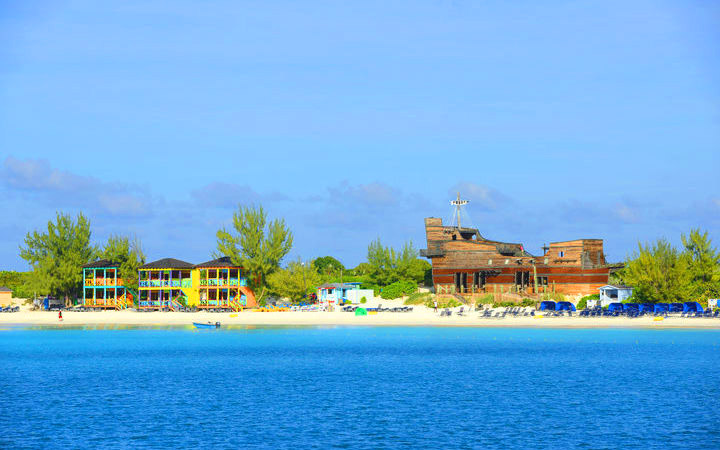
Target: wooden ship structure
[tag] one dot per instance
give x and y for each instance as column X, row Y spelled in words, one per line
column 465, row 262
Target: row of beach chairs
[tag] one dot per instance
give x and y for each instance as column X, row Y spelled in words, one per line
column 380, row 308
column 514, row 312
column 9, row 309
column 598, row 312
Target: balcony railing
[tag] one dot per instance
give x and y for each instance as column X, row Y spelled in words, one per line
column 165, row 283
column 104, row 282
column 223, row 282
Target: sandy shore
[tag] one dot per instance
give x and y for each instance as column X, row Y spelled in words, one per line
column 421, row 316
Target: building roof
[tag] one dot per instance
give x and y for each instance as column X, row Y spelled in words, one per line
column 5, row 289
column 100, row 263
column 615, row 286
column 225, row 261
column 168, row 263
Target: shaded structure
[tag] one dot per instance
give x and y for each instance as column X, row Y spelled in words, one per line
column 163, row 282
column 103, row 287
column 222, row 285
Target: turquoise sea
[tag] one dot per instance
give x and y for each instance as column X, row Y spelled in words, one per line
column 345, row 387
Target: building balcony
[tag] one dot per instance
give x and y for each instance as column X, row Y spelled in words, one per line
column 222, row 282
column 104, row 282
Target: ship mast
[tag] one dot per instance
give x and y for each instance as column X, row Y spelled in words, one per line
column 458, row 204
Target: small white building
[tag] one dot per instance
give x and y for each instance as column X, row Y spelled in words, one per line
column 337, row 293
column 614, row 294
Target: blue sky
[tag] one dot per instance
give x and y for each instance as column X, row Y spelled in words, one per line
column 354, row 120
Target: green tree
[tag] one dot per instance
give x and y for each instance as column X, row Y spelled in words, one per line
column 362, row 269
column 128, row 253
column 703, row 265
column 387, row 265
column 256, row 245
column 295, row 281
column 327, row 265
column 658, row 273
column 57, row 255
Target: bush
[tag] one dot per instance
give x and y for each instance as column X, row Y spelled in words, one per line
column 504, row 304
column 398, row 289
column 582, row 304
column 363, row 300
column 449, row 303
column 527, row 302
column 419, row 298
column 486, row 299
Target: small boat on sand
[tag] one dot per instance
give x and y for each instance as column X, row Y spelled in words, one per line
column 199, row 325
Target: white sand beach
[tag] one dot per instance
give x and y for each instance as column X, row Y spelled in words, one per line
column 420, row 316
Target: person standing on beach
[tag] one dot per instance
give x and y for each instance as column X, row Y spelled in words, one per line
column 60, row 316
column 435, row 303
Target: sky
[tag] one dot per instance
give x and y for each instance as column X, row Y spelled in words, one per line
column 355, row 120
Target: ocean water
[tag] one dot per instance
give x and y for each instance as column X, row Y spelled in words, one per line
column 345, row 387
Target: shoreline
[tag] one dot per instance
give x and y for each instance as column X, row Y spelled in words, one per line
column 413, row 319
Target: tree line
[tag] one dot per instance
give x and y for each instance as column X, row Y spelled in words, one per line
column 256, row 243
column 660, row 272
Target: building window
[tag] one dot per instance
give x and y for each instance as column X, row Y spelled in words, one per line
column 454, row 237
column 561, row 253
column 489, row 261
column 507, row 261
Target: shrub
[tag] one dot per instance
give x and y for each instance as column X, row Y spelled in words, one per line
column 398, row 289
column 418, row 298
column 363, row 300
column 486, row 299
column 504, row 304
column 527, row 302
column 448, row 303
column 582, row 304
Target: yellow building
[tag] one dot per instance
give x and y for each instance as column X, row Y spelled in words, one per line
column 163, row 283
column 5, row 296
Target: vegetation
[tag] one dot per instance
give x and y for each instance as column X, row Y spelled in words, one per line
column 660, row 272
column 256, row 245
column 444, row 303
column 582, row 304
column 363, row 300
column 419, row 298
column 398, row 289
column 487, row 299
column 57, row 255
column 295, row 281
column 553, row 296
column 387, row 265
column 128, row 254
column 327, row 265
column 23, row 284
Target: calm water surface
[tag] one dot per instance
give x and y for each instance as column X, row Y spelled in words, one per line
column 359, row 388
